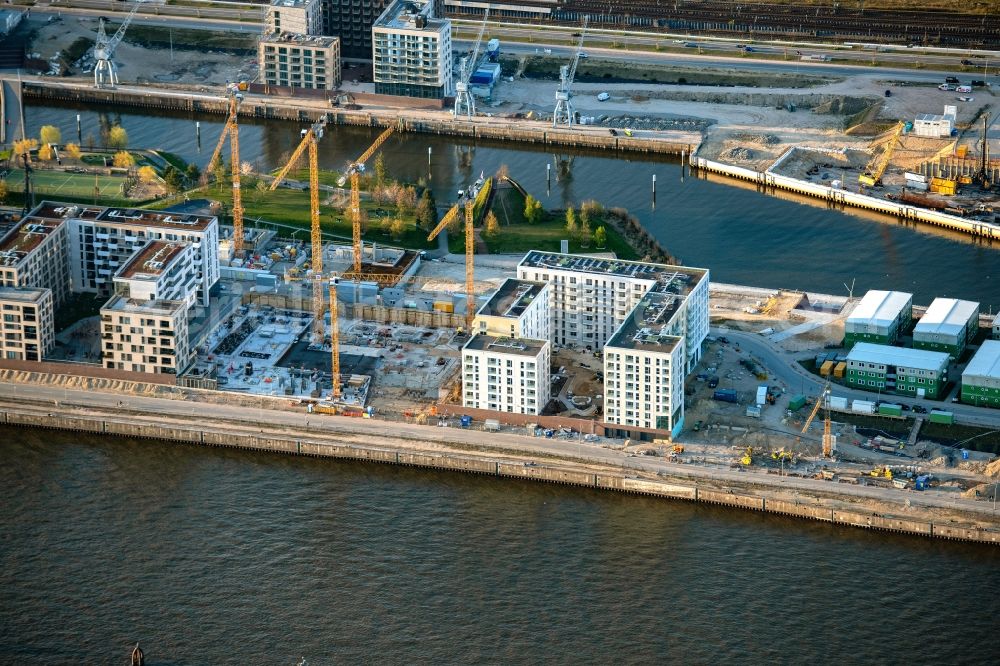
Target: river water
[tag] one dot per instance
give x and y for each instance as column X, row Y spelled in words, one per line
column 741, row 235
column 210, row 556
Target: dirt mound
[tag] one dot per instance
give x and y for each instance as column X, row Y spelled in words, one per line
column 993, row 469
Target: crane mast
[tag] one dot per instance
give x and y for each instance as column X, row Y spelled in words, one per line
column 355, row 170
column 105, row 69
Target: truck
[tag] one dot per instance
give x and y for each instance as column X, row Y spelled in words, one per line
column 493, row 50
column 725, row 395
column 816, row 58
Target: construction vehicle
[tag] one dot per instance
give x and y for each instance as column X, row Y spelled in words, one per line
column 781, row 455
column 105, row 69
column 232, row 130
column 564, row 113
column 354, row 171
column 678, row 448
column 470, row 294
column 881, row 473
column 876, row 167
column 747, row 459
column 465, row 101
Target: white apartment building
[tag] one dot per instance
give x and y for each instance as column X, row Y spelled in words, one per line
column 304, row 17
column 102, row 240
column 506, row 374
column 517, row 309
column 299, row 61
column 27, row 323
column 592, row 297
column 145, row 336
column 644, row 370
column 411, row 51
column 160, row 271
column 34, row 254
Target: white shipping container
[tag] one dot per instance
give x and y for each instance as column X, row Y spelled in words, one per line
column 761, row 395
column 863, row 407
column 837, row 402
column 920, row 178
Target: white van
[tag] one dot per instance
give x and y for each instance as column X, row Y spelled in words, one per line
column 963, row 89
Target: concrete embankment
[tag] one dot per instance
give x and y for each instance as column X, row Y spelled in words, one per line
column 469, row 462
column 768, row 181
column 679, row 143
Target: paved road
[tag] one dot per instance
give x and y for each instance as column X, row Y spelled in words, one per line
column 370, row 432
column 784, row 367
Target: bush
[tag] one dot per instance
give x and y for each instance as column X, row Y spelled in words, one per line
column 50, row 134
column 147, row 174
column 117, row 137
column 123, row 160
column 73, row 151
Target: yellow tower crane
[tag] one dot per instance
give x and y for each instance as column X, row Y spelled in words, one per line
column 449, row 217
column 310, row 140
column 232, row 130
column 355, row 170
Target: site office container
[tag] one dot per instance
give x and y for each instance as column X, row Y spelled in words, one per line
column 947, row 418
column 826, row 368
column 839, row 370
column 725, row 395
column 890, row 410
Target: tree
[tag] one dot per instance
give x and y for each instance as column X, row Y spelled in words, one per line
column 50, row 134
column 45, row 152
column 117, row 137
column 123, row 159
column 406, row 201
column 426, row 211
column 147, row 174
column 22, row 146
column 600, row 238
column 4, row 192
column 585, row 233
column 380, row 173
column 571, row 228
column 193, row 173
column 397, row 228
column 532, row 209
column 73, row 151
column 492, row 225
column 219, row 172
column 173, row 178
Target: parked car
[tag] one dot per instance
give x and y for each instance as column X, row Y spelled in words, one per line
column 603, row 97
column 949, row 87
column 951, row 79
column 967, row 62
column 919, row 409
column 613, row 131
column 713, row 382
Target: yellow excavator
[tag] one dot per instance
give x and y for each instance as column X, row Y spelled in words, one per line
column 881, row 472
column 875, row 169
column 747, row 458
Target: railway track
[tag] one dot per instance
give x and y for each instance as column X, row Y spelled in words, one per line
column 930, row 28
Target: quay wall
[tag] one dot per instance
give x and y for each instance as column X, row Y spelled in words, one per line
column 281, row 442
column 768, row 180
column 284, row 109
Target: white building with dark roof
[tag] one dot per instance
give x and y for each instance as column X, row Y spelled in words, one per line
column 505, row 374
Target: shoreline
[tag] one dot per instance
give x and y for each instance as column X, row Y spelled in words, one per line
column 763, row 494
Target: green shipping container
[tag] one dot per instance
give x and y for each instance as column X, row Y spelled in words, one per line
column 890, row 410
column 797, row 402
column 942, row 417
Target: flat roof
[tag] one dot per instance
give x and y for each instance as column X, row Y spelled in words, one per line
column 986, row 362
column 920, row 359
column 155, row 218
column 669, row 279
column 25, row 294
column 403, row 14
column 947, row 315
column 880, row 306
column 291, row 3
column 152, row 261
column 299, row 39
column 54, row 210
column 28, row 234
column 142, row 306
column 646, row 326
column 512, row 298
column 505, row 345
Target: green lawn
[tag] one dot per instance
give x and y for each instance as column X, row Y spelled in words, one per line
column 291, row 208
column 55, row 184
column 516, row 235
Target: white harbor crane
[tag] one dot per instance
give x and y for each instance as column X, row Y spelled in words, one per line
column 564, row 113
column 465, row 104
column 105, row 70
